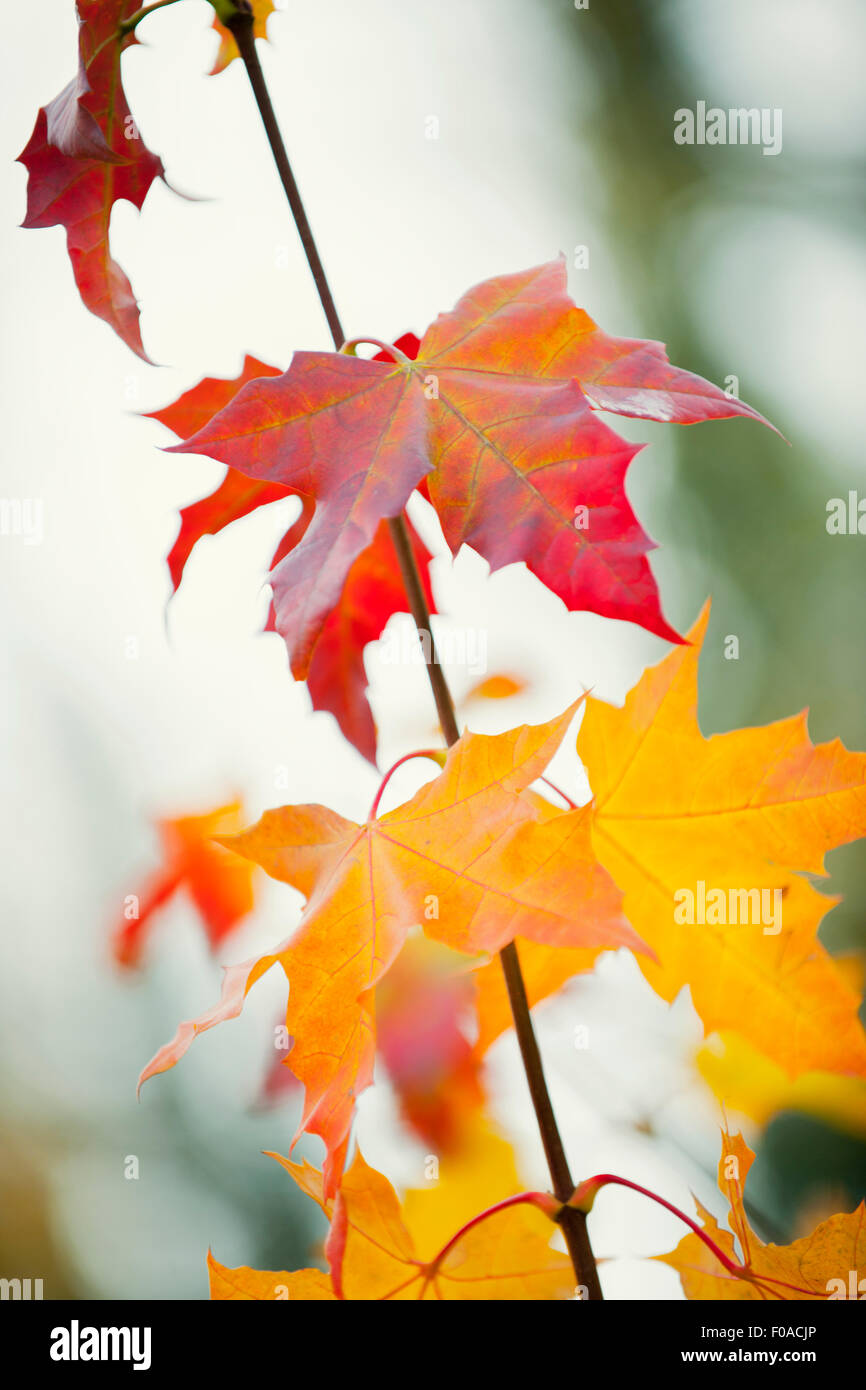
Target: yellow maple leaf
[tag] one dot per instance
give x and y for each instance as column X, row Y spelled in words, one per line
column 745, row 1080
column 725, row 827
column 380, row 1250
column 829, row 1263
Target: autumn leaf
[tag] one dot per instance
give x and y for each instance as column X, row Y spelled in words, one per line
column 86, row 154
column 373, row 1254
column 373, row 593
column 829, row 1263
column 421, row 1006
column 545, row 970
column 746, row 1081
column 531, row 326
column 348, row 433
column 519, row 467
column 246, row 1285
column 741, row 816
column 228, row 49
column 499, row 686
column 491, row 422
column 468, row 857
column 237, row 495
column 218, row 882
column 477, row 1172
column 373, row 590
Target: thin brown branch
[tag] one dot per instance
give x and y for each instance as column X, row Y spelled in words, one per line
column 573, row 1222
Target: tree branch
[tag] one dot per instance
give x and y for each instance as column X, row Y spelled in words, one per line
column 573, row 1222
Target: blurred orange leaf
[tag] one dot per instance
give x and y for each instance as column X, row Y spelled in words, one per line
column 496, row 687
column 745, row 1080
column 218, row 881
column 228, row 49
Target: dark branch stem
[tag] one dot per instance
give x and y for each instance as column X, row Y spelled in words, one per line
column 575, row 1232
column 421, row 613
column 573, row 1222
column 242, row 28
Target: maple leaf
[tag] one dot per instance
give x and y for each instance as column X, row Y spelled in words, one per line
column 228, row 49
column 288, row 430
column 218, row 882
column 491, row 419
column 373, row 1254
column 373, row 593
column 468, row 857
column 245, row 1285
column 829, row 1263
column 85, row 154
column 420, row 1006
column 545, row 970
column 373, row 590
column 740, row 814
column 510, row 457
column 237, row 495
column 745, row 1080
column 528, row 322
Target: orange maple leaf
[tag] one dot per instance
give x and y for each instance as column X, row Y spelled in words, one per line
column 468, row 857
column 724, row 828
column 827, row 1264
column 381, row 1250
column 218, row 881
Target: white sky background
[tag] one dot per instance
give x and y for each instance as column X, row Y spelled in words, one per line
column 96, row 743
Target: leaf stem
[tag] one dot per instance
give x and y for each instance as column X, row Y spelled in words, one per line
column 435, row 753
column 241, row 27
column 542, row 1200
column 587, row 1191
column 573, row 1222
column 572, row 805
column 126, row 26
column 394, row 352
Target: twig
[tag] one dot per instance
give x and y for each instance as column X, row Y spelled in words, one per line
column 573, row 1222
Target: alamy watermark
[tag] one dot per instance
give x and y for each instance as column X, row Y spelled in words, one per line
column 460, row 646
column 22, row 517
column 738, row 125
column 24, row 1289
column 77, row 1343
column 732, row 907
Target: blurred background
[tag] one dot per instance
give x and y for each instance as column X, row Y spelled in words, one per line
column 436, row 146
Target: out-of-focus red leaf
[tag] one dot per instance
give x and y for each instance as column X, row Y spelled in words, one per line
column 218, row 882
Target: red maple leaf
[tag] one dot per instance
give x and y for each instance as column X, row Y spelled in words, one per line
column 494, row 418
column 373, row 589
column 84, row 155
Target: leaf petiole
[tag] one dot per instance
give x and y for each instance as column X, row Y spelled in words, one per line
column 586, row 1192
column 438, row 756
column 544, row 1202
column 394, row 352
